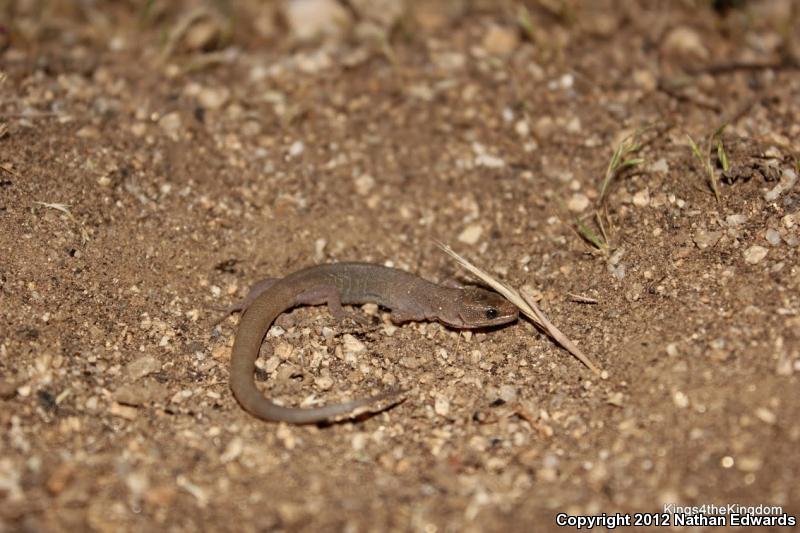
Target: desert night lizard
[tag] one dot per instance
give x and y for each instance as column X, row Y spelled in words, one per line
column 409, row 297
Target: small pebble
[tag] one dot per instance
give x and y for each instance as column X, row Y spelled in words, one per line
column 749, row 463
column 574, row 125
column 680, row 400
column 484, row 159
column 141, row 367
column 615, row 399
column 284, row 350
column 140, row 393
column 684, row 42
column 352, row 345
column 180, row 396
column 500, row 41
column 310, row 20
column 672, row 349
column 660, row 166
column 508, row 393
column 199, row 494
column 706, row 239
column 641, row 198
column 364, row 184
column 765, row 415
column 544, row 127
column 471, row 234
column 286, row 436
column 773, row 237
column 232, row 450
column 735, row 220
column 359, row 441
column 615, row 267
column 272, row 364
column 138, row 483
column 411, row 362
column 755, row 254
column 324, row 382
column 489, row 161
column 645, row 79
column 296, row 148
column 441, row 405
column 213, row 97
column 171, row 123
column 788, row 179
column 203, row 35
column 578, row 202
column 123, row 411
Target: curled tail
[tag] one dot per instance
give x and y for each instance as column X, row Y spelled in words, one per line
column 254, row 324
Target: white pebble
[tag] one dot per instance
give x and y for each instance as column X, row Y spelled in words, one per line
column 788, row 179
column 766, row 416
column 171, row 123
column 578, row 202
column 680, row 400
column 284, row 350
column 352, row 345
column 508, row 393
column 471, row 234
column 641, row 198
column 672, row 349
column 489, row 161
column 660, row 166
column 364, row 184
column 213, row 97
column 735, row 220
column 232, row 450
column 773, row 237
column 324, row 382
column 310, row 20
column 359, row 441
column 441, row 405
column 755, row 254
column 296, row 148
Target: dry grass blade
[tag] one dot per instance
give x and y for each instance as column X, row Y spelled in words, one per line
column 582, row 299
column 64, row 208
column 527, row 305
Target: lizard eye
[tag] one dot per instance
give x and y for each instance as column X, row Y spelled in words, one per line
column 491, row 313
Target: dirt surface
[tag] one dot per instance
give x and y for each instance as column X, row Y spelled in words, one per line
column 160, row 158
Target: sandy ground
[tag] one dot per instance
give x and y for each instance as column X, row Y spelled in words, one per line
column 158, row 158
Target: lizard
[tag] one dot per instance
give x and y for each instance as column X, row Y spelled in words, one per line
column 409, row 297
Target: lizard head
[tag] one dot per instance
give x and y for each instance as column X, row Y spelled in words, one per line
column 478, row 308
